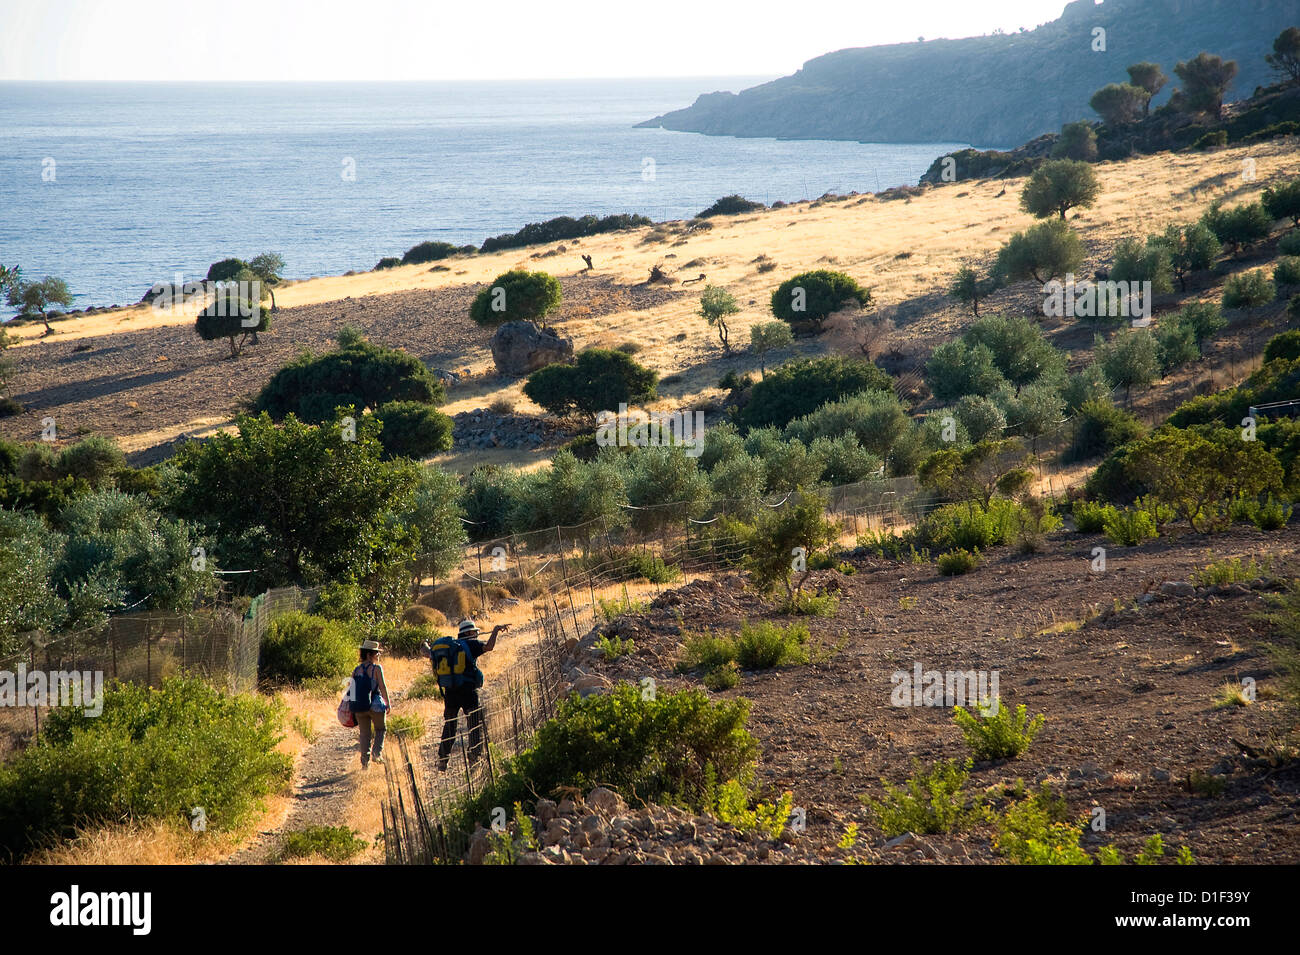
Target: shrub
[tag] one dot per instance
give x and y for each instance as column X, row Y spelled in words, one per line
column 953, row 563
column 1211, row 140
column 1285, row 346
column 1090, row 517
column 1271, row 515
column 957, row 368
column 1101, row 428
column 406, row 639
column 798, row 527
column 1230, row 571
column 151, row 754
column 1078, row 141
column 1283, row 201
column 875, row 419
column 1130, row 359
column 222, row 320
column 612, row 646
column 226, row 269
column 94, row 459
column 1240, row 226
column 1044, row 251
column 730, row 206
column 412, row 429
column 387, row 262
column 1137, row 261
column 599, row 380
column 357, row 375
column 1293, row 309
column 612, row 609
column 707, row 652
column 454, row 602
column 1057, row 186
column 1204, row 319
column 1128, row 528
column 930, row 802
column 767, row 337
column 517, row 295
column 763, row 645
column 408, row 727
column 431, row 251
column 336, row 843
column 666, row 749
column 725, row 677
column 1037, row 831
column 1248, row 290
column 731, row 805
column 1001, row 734
column 800, row 387
column 1192, row 248
column 563, row 227
column 812, row 296
column 299, row 647
column 1289, row 244
column 1287, row 271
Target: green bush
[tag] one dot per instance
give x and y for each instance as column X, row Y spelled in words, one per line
column 874, row 418
column 1211, row 140
column 1138, row 261
column 1285, row 346
column 930, row 802
column 599, row 380
column 1090, row 517
column 763, row 645
column 1283, row 201
column 561, row 228
column 953, row 563
column 1002, row 734
column 660, row 750
column 1128, row 528
column 1240, row 226
column 225, row 270
column 431, row 251
column 1057, row 186
column 387, row 262
column 1248, row 290
column 336, row 843
column 1038, row 831
column 300, row 646
column 1293, row 309
column 801, row 386
column 812, row 296
column 1230, row 571
column 1271, row 515
column 971, row 526
column 1102, row 427
column 222, row 320
column 404, row 640
column 413, row 429
column 357, row 375
column 151, row 754
column 730, row 206
column 1287, row 270
column 1289, row 244
column 516, row 296
column 721, row 678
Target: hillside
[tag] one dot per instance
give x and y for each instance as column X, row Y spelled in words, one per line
column 144, row 378
column 997, row 90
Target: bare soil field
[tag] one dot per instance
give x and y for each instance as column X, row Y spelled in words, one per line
column 1127, row 686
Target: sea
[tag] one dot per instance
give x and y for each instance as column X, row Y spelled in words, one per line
column 116, row 186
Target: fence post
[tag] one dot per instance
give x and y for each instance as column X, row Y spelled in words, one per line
column 36, row 712
column 686, row 540
column 482, row 592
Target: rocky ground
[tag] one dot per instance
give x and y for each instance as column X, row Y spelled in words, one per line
column 1125, row 665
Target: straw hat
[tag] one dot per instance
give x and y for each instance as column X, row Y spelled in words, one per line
column 372, row 645
column 467, row 627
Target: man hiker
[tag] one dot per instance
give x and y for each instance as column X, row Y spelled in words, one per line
column 459, row 678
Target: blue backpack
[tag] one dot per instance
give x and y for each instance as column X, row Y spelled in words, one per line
column 454, row 665
column 362, row 689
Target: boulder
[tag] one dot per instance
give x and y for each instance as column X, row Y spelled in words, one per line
column 605, row 801
column 519, row 348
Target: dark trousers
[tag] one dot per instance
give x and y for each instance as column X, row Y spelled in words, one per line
column 465, row 698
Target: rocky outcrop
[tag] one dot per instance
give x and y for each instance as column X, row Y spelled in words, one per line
column 519, row 348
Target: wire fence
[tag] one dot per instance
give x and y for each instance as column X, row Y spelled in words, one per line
column 146, row 648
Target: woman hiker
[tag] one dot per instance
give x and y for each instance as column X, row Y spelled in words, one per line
column 370, row 702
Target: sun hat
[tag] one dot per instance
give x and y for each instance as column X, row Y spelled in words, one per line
column 467, row 626
column 372, row 645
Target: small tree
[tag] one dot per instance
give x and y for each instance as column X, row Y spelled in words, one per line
column 1285, row 58
column 599, row 380
column 1238, row 227
column 1248, row 290
column 969, row 289
column 1058, row 186
column 811, row 296
column 981, row 417
column 979, row 472
column 1137, row 261
column 1078, row 141
column 730, row 206
column 39, row 297
column 268, row 268
column 1019, row 350
column 1149, row 77
column 517, row 295
column 1192, row 248
column 716, row 303
column 1035, row 411
column 1206, row 78
column 1130, row 359
column 768, row 337
column 1041, row 252
column 1283, row 201
column 1119, row 104
column 785, row 539
column 958, row 368
column 223, row 319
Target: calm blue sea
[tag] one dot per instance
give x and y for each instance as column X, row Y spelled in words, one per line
column 116, row 186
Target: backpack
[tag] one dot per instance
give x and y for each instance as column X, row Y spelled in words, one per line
column 453, row 664
column 363, row 686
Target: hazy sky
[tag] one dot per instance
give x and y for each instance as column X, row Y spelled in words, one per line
column 465, row 39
